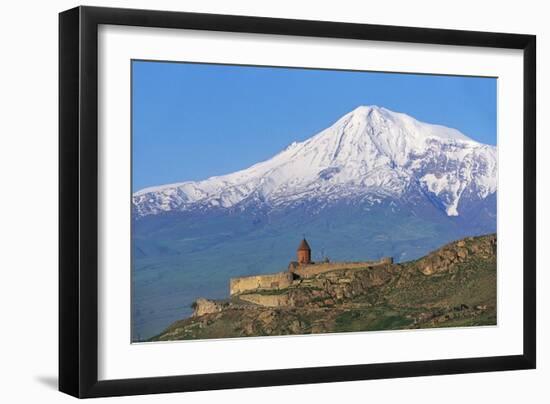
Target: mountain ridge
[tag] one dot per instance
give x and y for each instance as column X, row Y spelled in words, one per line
column 369, row 151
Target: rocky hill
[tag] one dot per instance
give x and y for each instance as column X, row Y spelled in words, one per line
column 451, row 287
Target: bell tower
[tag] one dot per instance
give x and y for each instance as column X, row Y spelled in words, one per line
column 304, row 253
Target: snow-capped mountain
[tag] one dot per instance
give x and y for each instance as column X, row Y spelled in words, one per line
column 371, row 153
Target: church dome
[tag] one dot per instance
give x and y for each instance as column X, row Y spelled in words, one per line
column 304, row 246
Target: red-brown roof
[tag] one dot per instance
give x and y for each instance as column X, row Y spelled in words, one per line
column 304, row 246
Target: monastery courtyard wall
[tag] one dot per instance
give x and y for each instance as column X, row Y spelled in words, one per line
column 283, row 280
column 280, row 280
column 310, row 270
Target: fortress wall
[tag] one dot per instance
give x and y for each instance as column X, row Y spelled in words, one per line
column 306, row 271
column 279, row 280
column 282, row 280
column 266, row 300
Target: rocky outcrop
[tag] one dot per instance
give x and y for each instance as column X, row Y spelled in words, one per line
column 332, row 287
column 205, row 306
column 444, row 259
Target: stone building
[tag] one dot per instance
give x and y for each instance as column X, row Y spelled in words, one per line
column 304, row 253
column 298, row 270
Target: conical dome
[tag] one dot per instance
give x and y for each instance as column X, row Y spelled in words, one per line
column 304, row 246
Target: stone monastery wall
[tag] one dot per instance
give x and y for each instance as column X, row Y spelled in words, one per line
column 281, row 280
column 307, row 271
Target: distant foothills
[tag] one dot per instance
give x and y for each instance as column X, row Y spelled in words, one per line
column 375, row 184
column 453, row 286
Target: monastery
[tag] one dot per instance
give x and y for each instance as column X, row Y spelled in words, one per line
column 302, row 268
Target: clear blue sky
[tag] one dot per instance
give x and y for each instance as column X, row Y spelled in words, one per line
column 193, row 121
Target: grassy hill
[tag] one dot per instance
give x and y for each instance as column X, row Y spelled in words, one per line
column 453, row 286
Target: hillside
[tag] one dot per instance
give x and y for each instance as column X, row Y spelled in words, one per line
column 451, row 287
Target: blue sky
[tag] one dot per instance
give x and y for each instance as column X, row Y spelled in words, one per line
column 193, row 121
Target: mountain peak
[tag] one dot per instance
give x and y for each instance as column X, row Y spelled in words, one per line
column 364, row 112
column 369, row 151
column 366, row 109
column 376, row 116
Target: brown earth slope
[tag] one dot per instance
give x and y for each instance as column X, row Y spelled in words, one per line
column 450, row 287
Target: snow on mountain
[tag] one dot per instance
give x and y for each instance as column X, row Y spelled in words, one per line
column 370, row 151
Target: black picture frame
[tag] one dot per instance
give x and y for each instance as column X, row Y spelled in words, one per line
column 78, row 201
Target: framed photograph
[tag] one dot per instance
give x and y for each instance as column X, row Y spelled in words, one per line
column 251, row 201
